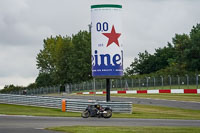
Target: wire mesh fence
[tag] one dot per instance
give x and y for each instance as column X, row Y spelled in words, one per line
column 146, row 83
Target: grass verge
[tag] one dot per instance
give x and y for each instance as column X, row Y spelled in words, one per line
column 9, row 109
column 139, row 111
column 105, row 129
column 160, row 112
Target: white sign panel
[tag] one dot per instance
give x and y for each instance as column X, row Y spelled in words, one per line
column 107, row 51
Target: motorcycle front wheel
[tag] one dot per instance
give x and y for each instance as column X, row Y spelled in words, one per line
column 85, row 114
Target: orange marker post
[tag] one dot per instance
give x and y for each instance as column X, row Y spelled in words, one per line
column 63, row 105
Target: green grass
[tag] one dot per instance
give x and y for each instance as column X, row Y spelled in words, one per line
column 159, row 112
column 33, row 111
column 139, row 111
column 107, row 129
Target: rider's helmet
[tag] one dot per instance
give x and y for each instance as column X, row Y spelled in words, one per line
column 98, row 106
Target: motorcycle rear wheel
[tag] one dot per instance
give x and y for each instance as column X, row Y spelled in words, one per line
column 85, row 114
column 108, row 114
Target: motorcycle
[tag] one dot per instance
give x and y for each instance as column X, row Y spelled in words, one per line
column 97, row 110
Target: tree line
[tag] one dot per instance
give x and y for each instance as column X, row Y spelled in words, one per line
column 67, row 60
column 180, row 57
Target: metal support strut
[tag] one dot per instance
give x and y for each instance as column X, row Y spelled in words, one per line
column 107, row 90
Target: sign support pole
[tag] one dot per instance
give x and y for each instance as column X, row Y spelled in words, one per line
column 94, row 88
column 107, row 90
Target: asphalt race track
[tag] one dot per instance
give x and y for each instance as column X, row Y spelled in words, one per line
column 148, row 101
column 32, row 124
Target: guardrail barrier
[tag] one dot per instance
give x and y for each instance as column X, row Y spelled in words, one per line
column 71, row 105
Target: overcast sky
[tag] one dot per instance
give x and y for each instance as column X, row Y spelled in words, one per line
column 147, row 24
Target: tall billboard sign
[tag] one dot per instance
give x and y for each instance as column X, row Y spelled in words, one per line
column 107, row 46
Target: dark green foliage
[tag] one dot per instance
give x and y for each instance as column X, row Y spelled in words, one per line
column 147, row 63
column 179, row 58
column 82, row 56
column 65, row 60
column 44, row 79
column 11, row 88
column 32, row 86
column 192, row 54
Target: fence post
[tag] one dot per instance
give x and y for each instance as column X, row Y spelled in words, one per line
column 178, row 81
column 116, row 83
column 94, row 88
column 161, row 81
column 197, row 81
column 139, row 83
column 101, row 85
column 121, row 83
column 132, row 82
column 126, row 85
column 83, row 85
column 40, row 90
column 170, row 81
column 147, row 82
column 70, row 88
column 59, row 89
column 154, row 82
column 187, row 77
column 111, row 83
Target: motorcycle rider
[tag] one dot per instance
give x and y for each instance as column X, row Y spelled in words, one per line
column 99, row 108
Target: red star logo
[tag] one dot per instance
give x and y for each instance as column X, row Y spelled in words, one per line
column 113, row 37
